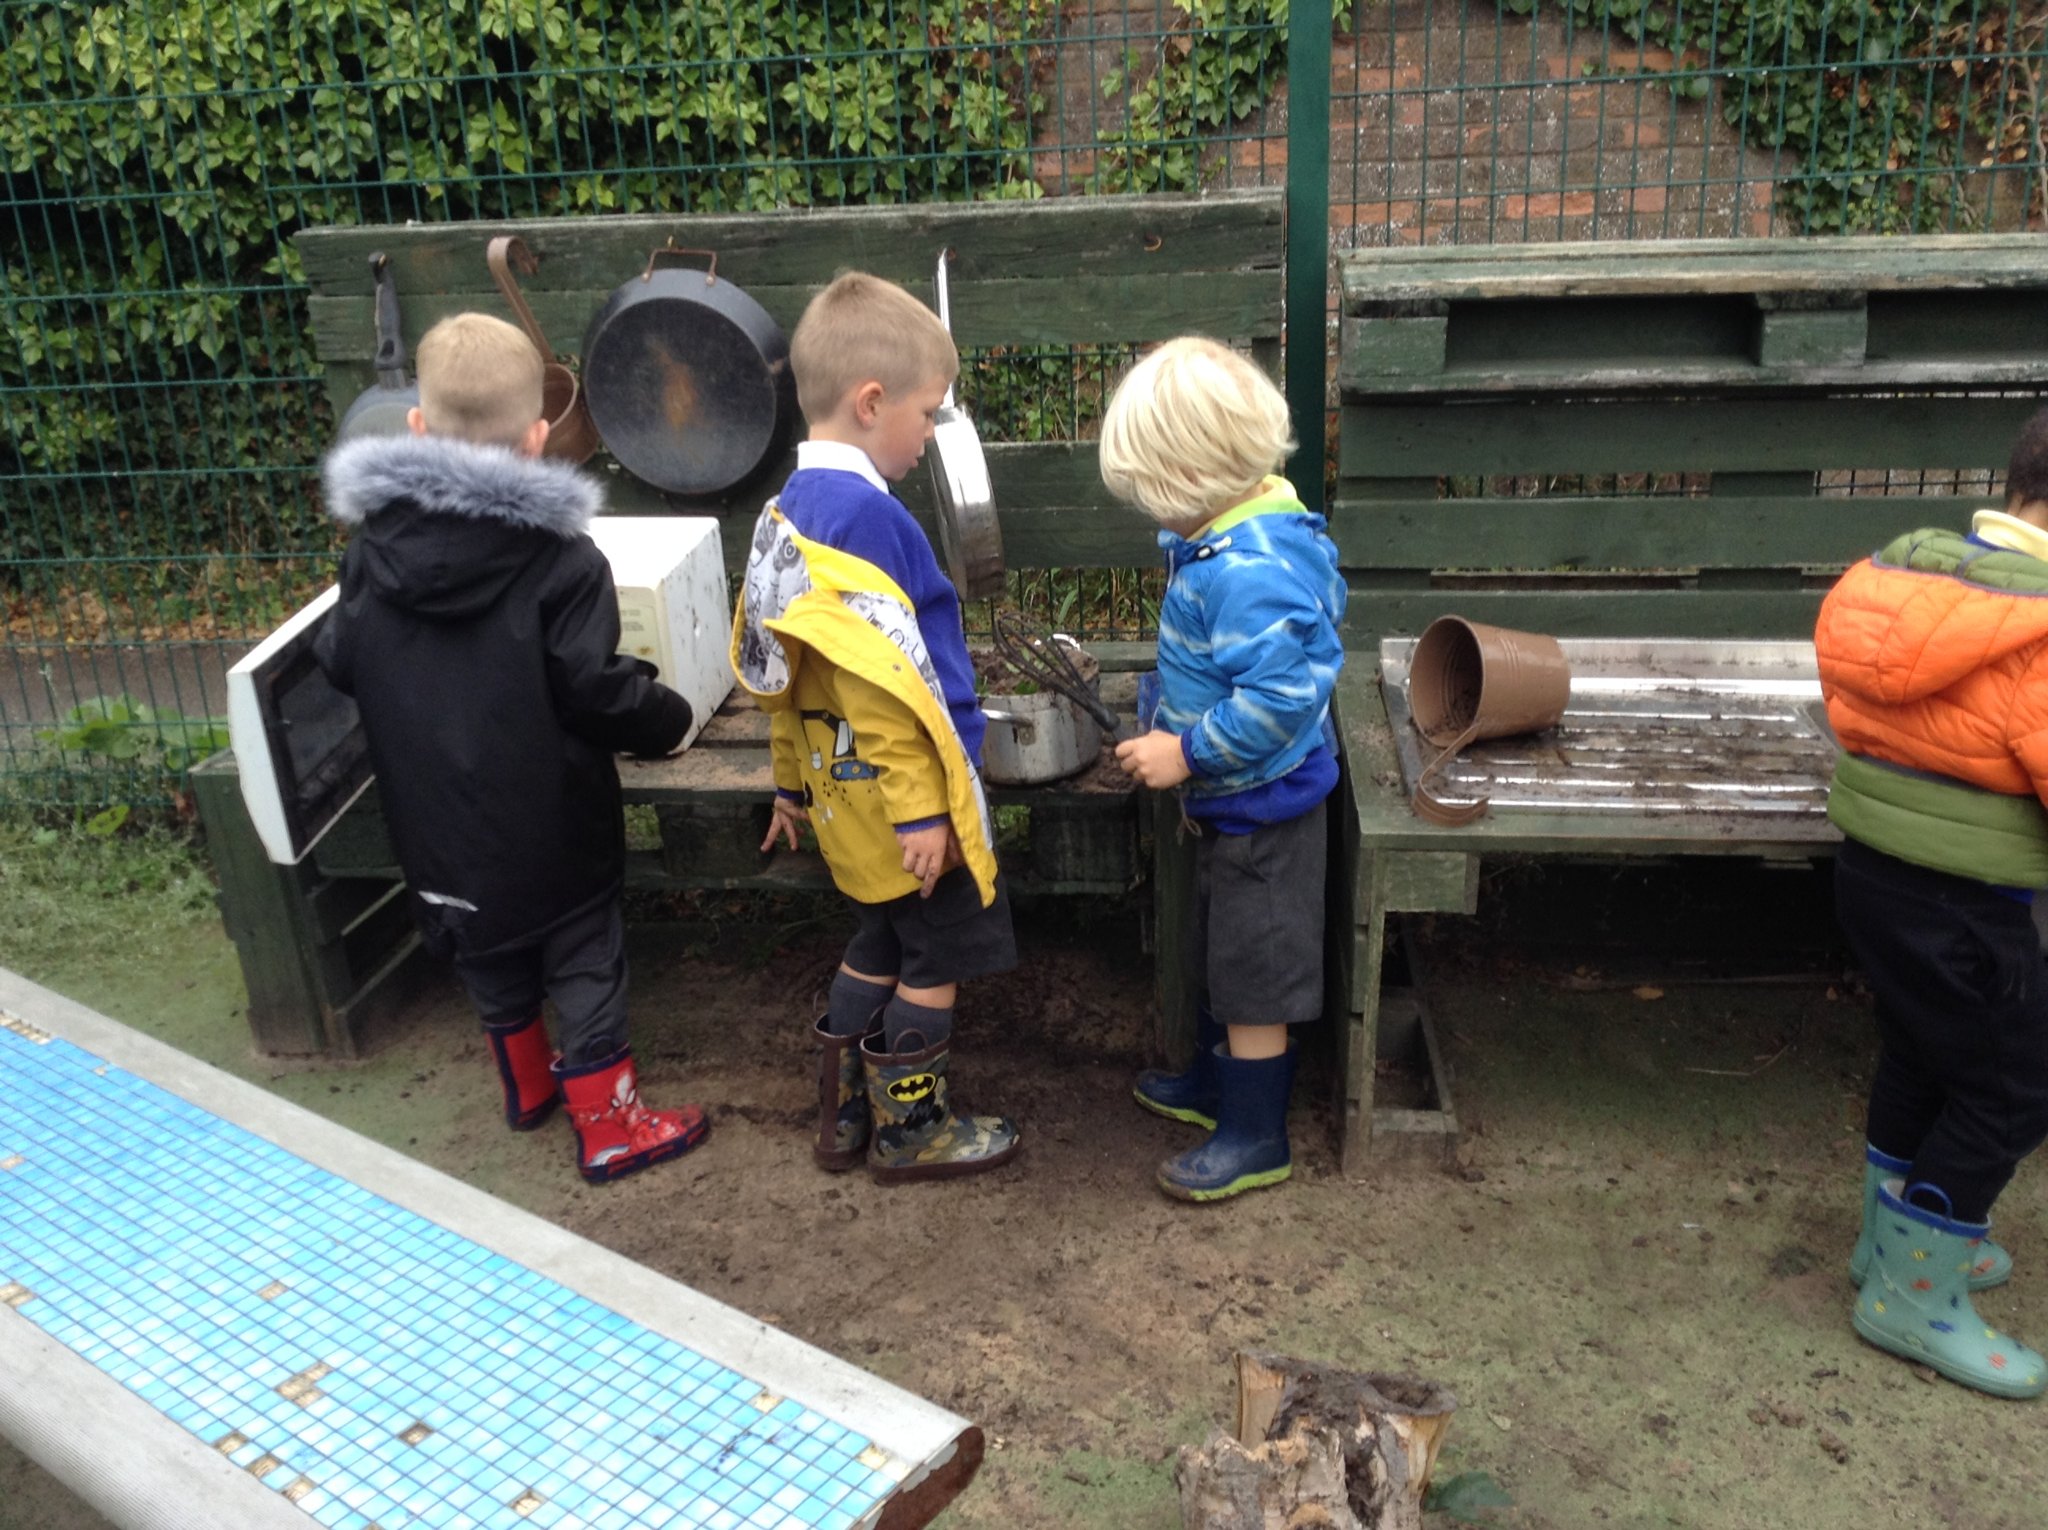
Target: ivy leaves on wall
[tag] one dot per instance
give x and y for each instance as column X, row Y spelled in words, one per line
column 1881, row 108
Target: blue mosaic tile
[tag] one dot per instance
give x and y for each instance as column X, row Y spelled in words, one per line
column 302, row 1325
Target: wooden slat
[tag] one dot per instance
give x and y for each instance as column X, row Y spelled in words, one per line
column 263, row 906
column 1710, row 342
column 1055, row 512
column 1964, row 328
column 1863, row 263
column 1770, row 531
column 1432, row 881
column 1642, row 374
column 1396, row 440
column 1051, row 239
column 1508, row 335
column 1079, row 310
column 1593, row 611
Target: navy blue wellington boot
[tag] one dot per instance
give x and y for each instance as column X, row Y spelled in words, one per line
column 1248, row 1149
column 1189, row 1096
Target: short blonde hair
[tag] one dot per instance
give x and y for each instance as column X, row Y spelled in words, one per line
column 863, row 329
column 480, row 380
column 1192, row 430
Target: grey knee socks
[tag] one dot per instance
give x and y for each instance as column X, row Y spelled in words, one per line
column 852, row 1003
column 903, row 1018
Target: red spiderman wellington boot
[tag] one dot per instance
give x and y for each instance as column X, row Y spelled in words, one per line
column 618, row 1135
column 525, row 1068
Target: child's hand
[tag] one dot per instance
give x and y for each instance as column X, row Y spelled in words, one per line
column 1153, row 759
column 789, row 815
column 926, row 852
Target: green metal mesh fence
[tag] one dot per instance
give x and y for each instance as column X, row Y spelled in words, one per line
column 1517, row 120
column 159, row 408
column 160, row 412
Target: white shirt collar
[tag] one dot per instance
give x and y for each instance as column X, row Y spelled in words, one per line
column 837, row 454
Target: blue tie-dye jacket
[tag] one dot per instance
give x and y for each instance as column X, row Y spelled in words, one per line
column 1248, row 642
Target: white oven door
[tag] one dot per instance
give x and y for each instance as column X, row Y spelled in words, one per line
column 298, row 741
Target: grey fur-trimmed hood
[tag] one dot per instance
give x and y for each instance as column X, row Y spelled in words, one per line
column 443, row 528
column 445, row 476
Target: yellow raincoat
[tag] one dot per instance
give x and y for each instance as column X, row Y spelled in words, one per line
column 829, row 647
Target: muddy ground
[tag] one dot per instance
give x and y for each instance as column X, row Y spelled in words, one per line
column 1632, row 1279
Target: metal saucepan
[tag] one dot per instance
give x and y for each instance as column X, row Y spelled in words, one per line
column 1052, row 661
column 688, row 378
column 381, row 410
column 1044, row 735
column 571, row 435
column 969, row 538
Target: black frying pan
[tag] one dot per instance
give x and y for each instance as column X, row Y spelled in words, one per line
column 688, row 378
column 381, row 410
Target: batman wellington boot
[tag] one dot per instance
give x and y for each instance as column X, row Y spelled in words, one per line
column 844, row 1120
column 525, row 1070
column 1915, row 1301
column 1991, row 1265
column 1191, row 1095
column 916, row 1135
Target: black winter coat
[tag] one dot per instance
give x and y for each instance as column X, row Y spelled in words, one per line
column 477, row 629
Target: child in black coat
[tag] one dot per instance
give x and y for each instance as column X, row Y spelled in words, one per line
column 477, row 630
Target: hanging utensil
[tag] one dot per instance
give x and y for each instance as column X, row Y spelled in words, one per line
column 1043, row 657
column 571, row 434
column 688, row 378
column 970, row 539
column 382, row 410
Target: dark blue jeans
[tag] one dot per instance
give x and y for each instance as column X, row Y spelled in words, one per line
column 1961, row 1087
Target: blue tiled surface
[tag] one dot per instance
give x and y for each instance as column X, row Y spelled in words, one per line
column 211, row 1273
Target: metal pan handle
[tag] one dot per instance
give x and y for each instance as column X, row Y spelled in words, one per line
column 673, row 249
column 945, row 312
column 389, row 360
column 501, row 254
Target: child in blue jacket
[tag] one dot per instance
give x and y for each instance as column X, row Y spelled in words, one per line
column 1248, row 657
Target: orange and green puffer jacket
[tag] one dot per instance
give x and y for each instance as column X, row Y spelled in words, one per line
column 1933, row 657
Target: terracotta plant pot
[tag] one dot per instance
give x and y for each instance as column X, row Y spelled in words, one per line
column 1468, row 681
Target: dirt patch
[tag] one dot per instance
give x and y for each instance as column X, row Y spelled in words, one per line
column 1640, row 1250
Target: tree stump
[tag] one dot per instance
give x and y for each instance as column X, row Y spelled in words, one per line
column 1316, row 1448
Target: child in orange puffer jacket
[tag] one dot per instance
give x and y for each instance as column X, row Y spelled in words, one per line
column 1933, row 658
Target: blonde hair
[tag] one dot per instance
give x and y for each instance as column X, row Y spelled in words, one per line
column 863, row 329
column 1192, row 430
column 480, row 380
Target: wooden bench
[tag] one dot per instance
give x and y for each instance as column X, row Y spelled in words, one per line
column 324, row 943
column 1789, row 406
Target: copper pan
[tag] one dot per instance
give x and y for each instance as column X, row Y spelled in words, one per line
column 572, row 436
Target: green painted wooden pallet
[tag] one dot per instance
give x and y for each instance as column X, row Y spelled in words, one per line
column 1789, row 405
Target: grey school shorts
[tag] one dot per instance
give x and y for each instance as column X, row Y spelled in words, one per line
column 946, row 938
column 1258, row 940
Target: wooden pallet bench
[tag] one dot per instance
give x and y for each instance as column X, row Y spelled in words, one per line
column 1783, row 406
column 326, row 943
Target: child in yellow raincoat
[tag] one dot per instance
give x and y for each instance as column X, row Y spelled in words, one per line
column 849, row 637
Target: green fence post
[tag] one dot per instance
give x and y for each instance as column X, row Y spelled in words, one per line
column 1308, row 239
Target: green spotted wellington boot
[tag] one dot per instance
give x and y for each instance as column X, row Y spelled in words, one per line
column 1991, row 1266
column 843, row 1116
column 915, row 1135
column 1915, row 1302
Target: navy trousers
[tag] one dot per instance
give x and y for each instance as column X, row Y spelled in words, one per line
column 1961, row 1088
